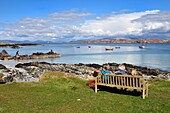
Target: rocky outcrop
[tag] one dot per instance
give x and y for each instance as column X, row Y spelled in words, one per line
column 15, row 46
column 5, row 56
column 39, row 55
column 2, row 66
column 40, row 67
column 33, row 70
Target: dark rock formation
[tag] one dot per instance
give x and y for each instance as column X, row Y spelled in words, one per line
column 15, row 46
column 39, row 55
column 4, row 55
column 2, row 66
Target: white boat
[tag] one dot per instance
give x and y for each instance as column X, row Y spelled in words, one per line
column 109, row 49
column 142, row 46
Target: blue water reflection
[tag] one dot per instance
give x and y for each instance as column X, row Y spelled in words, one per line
column 154, row 56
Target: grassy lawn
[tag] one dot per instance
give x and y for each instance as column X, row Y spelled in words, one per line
column 60, row 93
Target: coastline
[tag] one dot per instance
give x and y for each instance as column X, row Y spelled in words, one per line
column 11, row 45
column 30, row 72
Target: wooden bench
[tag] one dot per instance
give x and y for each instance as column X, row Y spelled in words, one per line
column 123, row 81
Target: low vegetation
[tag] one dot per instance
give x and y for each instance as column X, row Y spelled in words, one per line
column 63, row 93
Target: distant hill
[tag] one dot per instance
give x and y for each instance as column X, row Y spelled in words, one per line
column 26, row 42
column 129, row 40
column 103, row 40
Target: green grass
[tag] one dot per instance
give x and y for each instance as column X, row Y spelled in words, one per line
column 60, row 93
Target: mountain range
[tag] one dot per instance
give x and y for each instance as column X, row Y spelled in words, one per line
column 104, row 40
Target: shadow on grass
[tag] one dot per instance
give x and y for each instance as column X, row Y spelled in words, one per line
column 2, row 82
column 119, row 91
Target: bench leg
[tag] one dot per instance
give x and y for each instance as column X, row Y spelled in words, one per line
column 146, row 89
column 95, row 85
column 143, row 93
column 95, row 88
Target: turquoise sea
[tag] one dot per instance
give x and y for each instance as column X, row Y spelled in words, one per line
column 153, row 56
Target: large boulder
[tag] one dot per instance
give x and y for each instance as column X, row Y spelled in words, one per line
column 4, row 53
column 7, row 78
column 1, row 78
column 2, row 66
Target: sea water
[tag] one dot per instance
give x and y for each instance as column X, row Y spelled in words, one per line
column 153, row 56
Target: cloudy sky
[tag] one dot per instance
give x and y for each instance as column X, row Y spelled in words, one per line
column 67, row 20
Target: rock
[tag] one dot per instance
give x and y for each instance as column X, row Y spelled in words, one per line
column 147, row 78
column 27, row 64
column 1, row 78
column 2, row 66
column 23, row 57
column 94, row 65
column 39, row 55
column 8, row 78
column 165, row 76
column 15, row 46
column 154, row 72
column 4, row 53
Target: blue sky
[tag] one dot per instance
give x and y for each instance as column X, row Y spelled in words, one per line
column 83, row 19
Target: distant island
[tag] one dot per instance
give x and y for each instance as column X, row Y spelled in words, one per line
column 5, row 44
column 15, row 44
column 123, row 40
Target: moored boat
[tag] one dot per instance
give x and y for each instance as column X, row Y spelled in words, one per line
column 117, row 47
column 109, row 49
column 142, row 46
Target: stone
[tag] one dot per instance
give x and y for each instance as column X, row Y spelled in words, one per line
column 4, row 53
column 1, row 78
column 2, row 66
column 15, row 46
column 8, row 78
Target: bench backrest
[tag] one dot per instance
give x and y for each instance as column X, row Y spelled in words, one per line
column 126, row 81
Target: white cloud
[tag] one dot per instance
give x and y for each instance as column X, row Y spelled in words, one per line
column 116, row 24
column 72, row 25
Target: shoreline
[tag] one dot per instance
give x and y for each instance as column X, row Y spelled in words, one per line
column 30, row 72
column 11, row 45
column 19, row 61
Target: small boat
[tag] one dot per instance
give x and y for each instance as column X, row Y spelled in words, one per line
column 89, row 46
column 78, row 47
column 117, row 47
column 109, row 49
column 142, row 46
